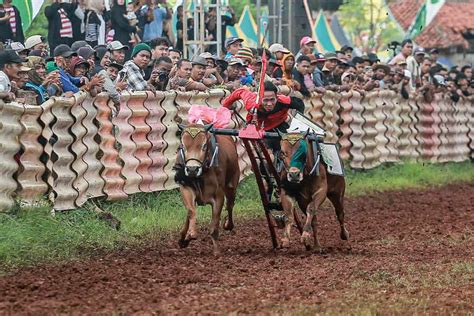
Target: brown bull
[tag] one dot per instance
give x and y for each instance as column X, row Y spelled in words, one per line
column 301, row 182
column 207, row 171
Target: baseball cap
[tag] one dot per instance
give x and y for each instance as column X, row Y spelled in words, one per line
column 64, row 51
column 116, row 45
column 116, row 65
column 198, row 60
column 85, row 52
column 419, row 51
column 277, row 47
column 231, row 40
column 434, row 51
column 206, row 55
column 17, row 47
column 345, row 48
column 330, row 55
column 373, row 58
column 402, row 62
column 320, row 57
column 34, row 40
column 306, row 40
column 78, row 44
column 235, row 61
column 9, row 56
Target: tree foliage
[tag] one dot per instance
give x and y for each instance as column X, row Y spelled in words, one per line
column 368, row 24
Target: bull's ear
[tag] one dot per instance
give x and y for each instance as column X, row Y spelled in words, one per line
column 307, row 133
column 208, row 127
column 181, row 127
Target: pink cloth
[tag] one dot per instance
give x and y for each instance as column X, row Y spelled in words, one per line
column 219, row 117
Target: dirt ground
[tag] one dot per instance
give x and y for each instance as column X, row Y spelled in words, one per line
column 409, row 252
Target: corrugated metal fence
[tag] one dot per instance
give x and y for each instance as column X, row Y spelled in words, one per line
column 73, row 149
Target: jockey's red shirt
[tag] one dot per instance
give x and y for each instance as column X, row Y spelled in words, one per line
column 267, row 120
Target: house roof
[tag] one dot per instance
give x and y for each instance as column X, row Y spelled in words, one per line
column 447, row 28
column 404, row 11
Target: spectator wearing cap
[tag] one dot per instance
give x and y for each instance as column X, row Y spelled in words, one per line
column 60, row 31
column 272, row 65
column 37, row 43
column 306, row 46
column 198, row 71
column 117, row 52
column 279, row 51
column 120, row 23
column 14, row 21
column 329, row 66
column 301, row 74
column 94, row 23
column 109, row 71
column 62, row 58
column 347, row 50
column 133, row 70
column 79, row 67
column 359, row 64
column 232, row 46
column 405, row 52
column 88, row 54
column 175, row 55
column 212, row 75
column 22, row 78
column 317, row 72
column 413, row 65
column 10, row 64
column 20, row 49
column 235, row 69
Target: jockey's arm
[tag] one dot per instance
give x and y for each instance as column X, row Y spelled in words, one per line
column 247, row 97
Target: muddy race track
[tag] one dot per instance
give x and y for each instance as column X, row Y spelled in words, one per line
column 410, row 252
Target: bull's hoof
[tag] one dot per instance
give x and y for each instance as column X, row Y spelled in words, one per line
column 228, row 225
column 284, row 243
column 191, row 236
column 344, row 234
column 183, row 243
column 307, row 240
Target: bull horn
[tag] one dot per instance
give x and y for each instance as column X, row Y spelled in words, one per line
column 307, row 133
column 181, row 127
column 208, row 127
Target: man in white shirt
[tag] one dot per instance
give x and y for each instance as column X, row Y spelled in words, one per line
column 10, row 64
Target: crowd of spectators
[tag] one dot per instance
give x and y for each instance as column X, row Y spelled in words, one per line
column 131, row 47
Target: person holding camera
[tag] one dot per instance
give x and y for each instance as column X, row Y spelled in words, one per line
column 160, row 75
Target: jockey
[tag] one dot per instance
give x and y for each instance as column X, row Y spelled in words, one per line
column 272, row 113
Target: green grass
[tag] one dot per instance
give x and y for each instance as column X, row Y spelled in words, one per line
column 32, row 236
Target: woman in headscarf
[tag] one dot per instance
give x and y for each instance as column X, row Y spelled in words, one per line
column 39, row 81
column 288, row 62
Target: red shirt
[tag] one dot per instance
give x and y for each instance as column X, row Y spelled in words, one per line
column 266, row 120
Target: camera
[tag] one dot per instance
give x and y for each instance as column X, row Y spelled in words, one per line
column 162, row 76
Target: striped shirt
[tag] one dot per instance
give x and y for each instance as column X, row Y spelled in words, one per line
column 66, row 26
column 12, row 19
